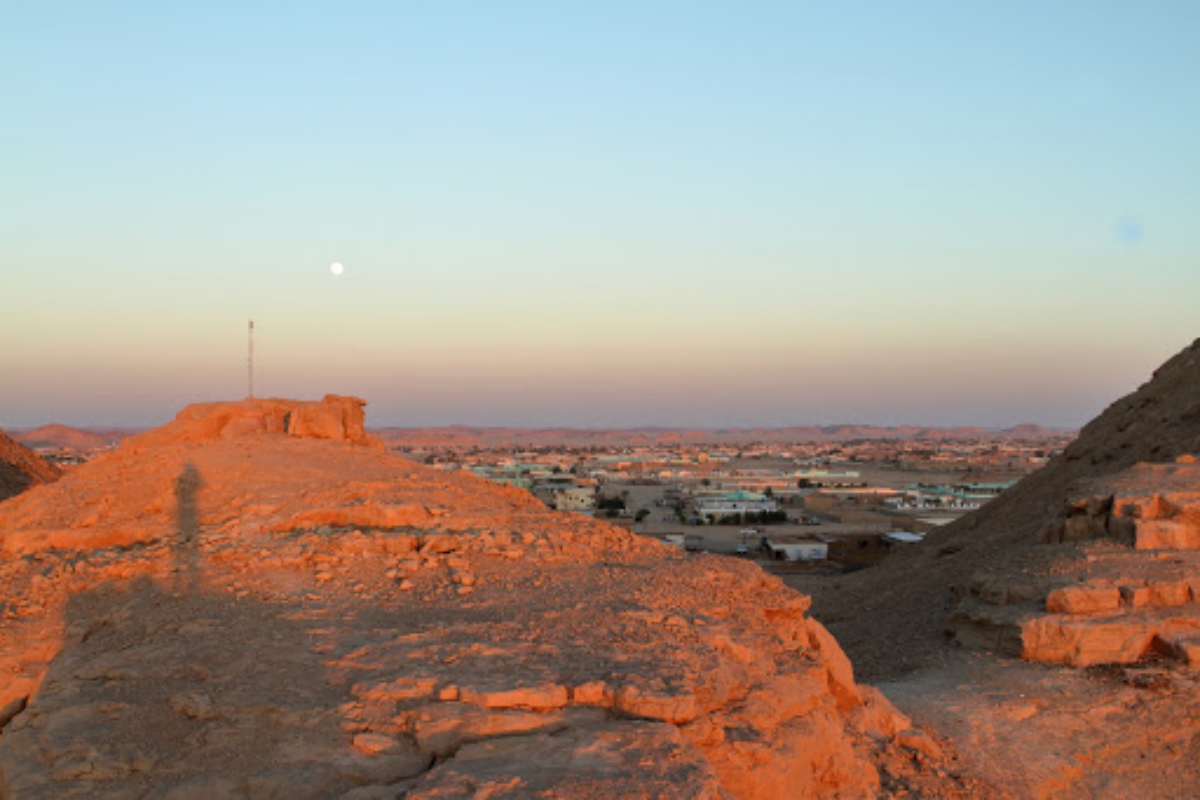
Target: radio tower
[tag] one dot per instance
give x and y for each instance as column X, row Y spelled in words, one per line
column 250, row 360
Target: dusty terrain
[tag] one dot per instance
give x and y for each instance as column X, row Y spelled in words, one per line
column 258, row 601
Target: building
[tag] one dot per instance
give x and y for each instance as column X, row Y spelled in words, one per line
column 800, row 550
column 737, row 503
column 574, row 498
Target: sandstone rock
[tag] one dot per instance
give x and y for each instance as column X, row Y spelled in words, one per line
column 876, row 716
column 1135, row 596
column 444, row 728
column 21, row 468
column 656, row 703
column 919, row 741
column 1158, row 534
column 598, row 761
column 251, row 618
column 838, row 667
column 1083, row 599
column 1158, row 508
column 1169, row 593
column 1186, row 649
column 373, row 743
column 1083, row 641
column 334, row 417
column 540, row 698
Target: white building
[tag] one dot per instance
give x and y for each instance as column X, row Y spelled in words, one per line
column 799, row 551
column 736, row 503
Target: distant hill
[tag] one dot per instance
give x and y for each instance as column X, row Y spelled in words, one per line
column 476, row 436
column 64, row 436
column 21, row 468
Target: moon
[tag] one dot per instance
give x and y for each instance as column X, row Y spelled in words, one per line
column 337, row 268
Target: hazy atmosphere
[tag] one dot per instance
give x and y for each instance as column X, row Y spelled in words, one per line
column 597, row 214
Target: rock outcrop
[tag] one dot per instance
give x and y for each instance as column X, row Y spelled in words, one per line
column 21, row 468
column 1089, row 564
column 334, row 417
column 1119, row 577
column 1062, row 566
column 306, row 616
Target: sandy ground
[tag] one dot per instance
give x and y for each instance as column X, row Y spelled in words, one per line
column 1047, row 732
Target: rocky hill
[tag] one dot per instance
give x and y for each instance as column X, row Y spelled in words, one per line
column 21, row 468
column 257, row 600
column 68, row 438
column 1091, row 565
column 1128, row 481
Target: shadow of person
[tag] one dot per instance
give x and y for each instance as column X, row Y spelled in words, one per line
column 187, row 528
column 158, row 693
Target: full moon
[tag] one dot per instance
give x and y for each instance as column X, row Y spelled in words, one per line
column 337, row 268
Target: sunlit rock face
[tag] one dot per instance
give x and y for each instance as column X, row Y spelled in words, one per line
column 334, row 417
column 21, row 468
column 255, row 601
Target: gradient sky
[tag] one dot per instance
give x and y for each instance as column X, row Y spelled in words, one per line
column 617, row 213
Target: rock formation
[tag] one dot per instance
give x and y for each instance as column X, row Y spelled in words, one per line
column 252, row 602
column 1090, row 564
column 21, row 468
column 1093, row 559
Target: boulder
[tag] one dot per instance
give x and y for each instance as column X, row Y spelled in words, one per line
column 1083, row 641
column 1083, row 599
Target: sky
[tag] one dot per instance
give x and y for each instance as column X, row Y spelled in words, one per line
column 597, row 214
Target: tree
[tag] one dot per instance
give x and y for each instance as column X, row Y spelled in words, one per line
column 607, row 503
column 641, row 514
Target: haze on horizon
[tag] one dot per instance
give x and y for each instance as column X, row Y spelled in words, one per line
column 687, row 215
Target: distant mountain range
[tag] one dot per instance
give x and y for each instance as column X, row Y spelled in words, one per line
column 469, row 436
column 86, row 440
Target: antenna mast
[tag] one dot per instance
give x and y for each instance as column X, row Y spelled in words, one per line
column 250, row 360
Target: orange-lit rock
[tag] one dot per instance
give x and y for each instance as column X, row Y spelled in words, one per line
column 1082, row 563
column 21, row 468
column 304, row 614
column 1083, row 599
column 1081, row 641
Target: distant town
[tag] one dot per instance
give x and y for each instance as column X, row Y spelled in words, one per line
column 835, row 505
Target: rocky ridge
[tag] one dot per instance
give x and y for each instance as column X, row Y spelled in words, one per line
column 306, row 615
column 1119, row 504
column 1091, row 564
column 21, row 468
